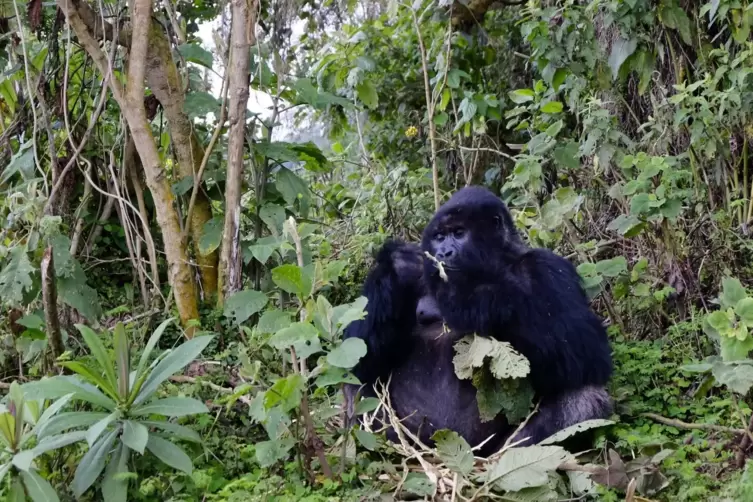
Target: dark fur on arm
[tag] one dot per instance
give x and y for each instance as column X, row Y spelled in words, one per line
column 392, row 290
column 538, row 305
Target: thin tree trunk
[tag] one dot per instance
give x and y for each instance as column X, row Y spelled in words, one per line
column 79, row 230
column 241, row 38
column 50, row 300
column 132, row 107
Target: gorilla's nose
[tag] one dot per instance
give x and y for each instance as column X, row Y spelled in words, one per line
column 444, row 254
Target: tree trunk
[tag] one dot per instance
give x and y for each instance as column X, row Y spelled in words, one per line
column 132, row 107
column 241, row 38
column 50, row 300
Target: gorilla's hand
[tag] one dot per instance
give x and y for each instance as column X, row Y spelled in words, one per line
column 407, row 262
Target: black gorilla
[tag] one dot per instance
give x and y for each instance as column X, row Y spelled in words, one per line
column 496, row 286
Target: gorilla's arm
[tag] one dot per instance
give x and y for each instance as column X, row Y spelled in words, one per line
column 392, row 289
column 537, row 304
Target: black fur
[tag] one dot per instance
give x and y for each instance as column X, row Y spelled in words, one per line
column 497, row 287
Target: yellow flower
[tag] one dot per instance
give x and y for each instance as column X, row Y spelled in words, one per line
column 411, row 132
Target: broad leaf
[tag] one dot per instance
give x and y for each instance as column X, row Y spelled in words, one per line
column 292, row 279
column 270, row 452
column 51, row 443
column 272, row 321
column 527, row 467
column 732, row 292
column 621, row 50
column 454, row 451
column 348, row 353
column 135, row 435
column 211, row 236
column 291, row 186
column 286, row 393
column 243, row 304
column 59, row 386
column 170, row 454
column 367, row 439
column 70, row 420
column 15, row 278
column 575, row 429
column 199, row 104
column 171, row 407
column 367, row 94
column 38, row 489
column 506, row 362
column 196, row 54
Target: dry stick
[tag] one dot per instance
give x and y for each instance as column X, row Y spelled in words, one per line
column 311, row 434
column 687, row 426
column 429, row 110
column 50, row 300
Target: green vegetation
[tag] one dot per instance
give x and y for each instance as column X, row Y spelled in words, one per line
column 175, row 281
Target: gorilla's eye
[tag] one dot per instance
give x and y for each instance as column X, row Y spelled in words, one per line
column 439, row 237
column 458, row 233
column 497, row 221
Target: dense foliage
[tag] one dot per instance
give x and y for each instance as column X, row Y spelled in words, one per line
column 175, row 280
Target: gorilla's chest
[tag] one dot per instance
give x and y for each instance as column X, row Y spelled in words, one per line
column 427, row 394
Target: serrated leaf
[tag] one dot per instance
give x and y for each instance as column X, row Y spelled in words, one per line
column 211, row 236
column 171, row 364
column 526, row 467
column 472, row 351
column 292, row 279
column 454, row 451
column 348, row 353
column 575, row 429
column 196, row 54
column 170, row 454
column 15, row 278
column 38, row 489
column 269, row 453
column 621, row 50
column 419, row 484
column 243, row 304
column 367, row 94
column 272, row 321
column 171, row 407
column 640, row 204
column 719, row 321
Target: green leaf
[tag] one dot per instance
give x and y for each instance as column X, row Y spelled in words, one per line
column 506, row 362
column 175, row 430
column 612, row 267
column 153, row 340
column 520, row 96
column 172, row 363
column 343, row 315
column 367, row 439
column 199, row 104
column 737, row 377
column 135, row 435
column 528, row 467
column 732, row 292
column 335, row 376
column 575, row 429
column 628, row 226
column 290, row 278
column 744, row 309
column 67, row 421
column 640, row 204
column 211, row 236
column 567, row 155
column 97, row 429
column 38, row 489
column 23, row 160
column 273, row 216
column 291, row 186
column 348, row 353
column 269, row 453
column 15, row 278
column 51, row 443
column 732, row 349
column 22, row 461
column 170, row 454
column 621, row 50
column 299, row 335
column 366, row 405
column 719, row 321
column 272, row 321
column 58, row 386
column 367, row 94
column 286, row 393
column 98, row 350
column 243, row 304
column 454, row 451
column 114, row 484
column 74, row 291
column 196, row 54
column 92, row 464
column 263, row 248
column 552, row 107
column 419, row 484
column 171, row 407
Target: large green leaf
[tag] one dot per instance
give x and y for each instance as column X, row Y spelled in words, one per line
column 348, row 353
column 527, row 467
column 114, row 485
column 454, row 451
column 59, row 386
column 243, row 304
column 51, row 411
column 135, row 435
column 272, row 321
column 170, row 454
column 621, row 50
column 97, row 429
column 211, row 235
column 98, row 350
column 153, row 340
column 38, row 489
column 92, row 463
column 171, row 364
column 74, row 291
column 199, row 104
column 291, row 186
column 367, row 94
column 15, row 278
column 70, row 420
column 732, row 292
column 196, row 54
column 174, row 430
column 171, row 407
column 51, row 443
column 292, row 279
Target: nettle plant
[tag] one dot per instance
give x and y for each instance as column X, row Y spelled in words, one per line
column 656, row 191
column 133, row 416
column 730, row 327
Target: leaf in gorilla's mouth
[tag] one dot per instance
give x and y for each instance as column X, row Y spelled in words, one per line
column 440, row 265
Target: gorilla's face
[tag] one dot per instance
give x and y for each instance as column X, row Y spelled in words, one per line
column 449, row 242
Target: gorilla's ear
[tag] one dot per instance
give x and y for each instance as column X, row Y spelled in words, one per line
column 497, row 221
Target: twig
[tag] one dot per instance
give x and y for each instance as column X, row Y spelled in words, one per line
column 687, row 426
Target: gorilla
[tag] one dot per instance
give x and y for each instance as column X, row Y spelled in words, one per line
column 494, row 286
